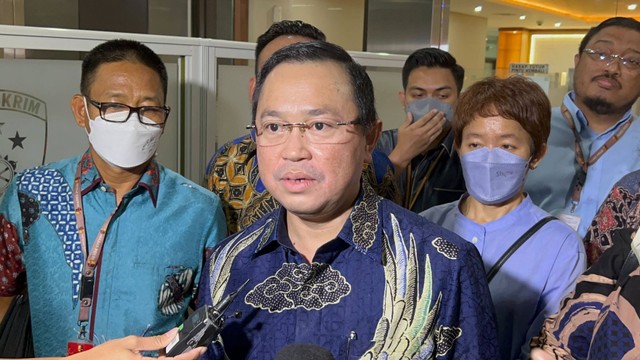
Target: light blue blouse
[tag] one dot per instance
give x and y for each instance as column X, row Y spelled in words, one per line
column 529, row 286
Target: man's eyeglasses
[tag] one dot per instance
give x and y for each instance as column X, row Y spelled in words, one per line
column 119, row 113
column 629, row 63
column 271, row 133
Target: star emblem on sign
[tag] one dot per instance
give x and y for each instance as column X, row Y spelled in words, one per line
column 17, row 141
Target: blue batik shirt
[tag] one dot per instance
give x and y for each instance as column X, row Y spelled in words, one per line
column 153, row 252
column 391, row 283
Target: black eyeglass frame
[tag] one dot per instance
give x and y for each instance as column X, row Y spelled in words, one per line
column 102, row 106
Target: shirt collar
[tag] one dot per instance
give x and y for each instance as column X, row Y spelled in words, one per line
column 90, row 177
column 508, row 220
column 247, row 146
column 447, row 143
column 581, row 124
column 362, row 230
column 575, row 112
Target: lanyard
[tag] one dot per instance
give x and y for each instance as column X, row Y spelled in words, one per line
column 409, row 200
column 87, row 283
column 584, row 164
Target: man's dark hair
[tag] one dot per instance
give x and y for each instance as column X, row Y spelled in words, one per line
column 432, row 58
column 319, row 51
column 624, row 22
column 121, row 50
column 290, row 28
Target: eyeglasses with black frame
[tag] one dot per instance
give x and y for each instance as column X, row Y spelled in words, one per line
column 600, row 55
column 325, row 131
column 119, row 113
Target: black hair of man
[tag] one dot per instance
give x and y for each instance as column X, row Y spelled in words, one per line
column 121, row 50
column 287, row 28
column 321, row 51
column 624, row 22
column 433, row 58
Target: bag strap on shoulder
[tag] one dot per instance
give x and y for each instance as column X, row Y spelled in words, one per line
column 496, row 267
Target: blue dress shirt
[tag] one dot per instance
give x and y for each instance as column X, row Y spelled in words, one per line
column 391, row 284
column 551, row 184
column 529, row 286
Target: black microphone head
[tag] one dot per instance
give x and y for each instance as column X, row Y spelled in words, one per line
column 304, row 352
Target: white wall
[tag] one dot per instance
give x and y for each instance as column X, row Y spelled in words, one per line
column 558, row 51
column 341, row 20
column 386, row 85
column 467, row 43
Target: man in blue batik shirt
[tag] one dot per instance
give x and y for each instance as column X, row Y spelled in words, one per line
column 338, row 266
column 232, row 172
column 111, row 242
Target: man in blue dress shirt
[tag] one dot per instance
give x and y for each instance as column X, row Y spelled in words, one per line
column 594, row 135
column 338, row 266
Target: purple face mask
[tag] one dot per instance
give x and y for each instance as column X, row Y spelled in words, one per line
column 493, row 176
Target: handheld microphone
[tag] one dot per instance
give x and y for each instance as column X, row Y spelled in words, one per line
column 304, row 351
column 202, row 326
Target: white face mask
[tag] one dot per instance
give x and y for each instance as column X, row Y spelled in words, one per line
column 125, row 145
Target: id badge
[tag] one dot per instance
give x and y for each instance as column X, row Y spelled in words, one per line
column 572, row 220
column 74, row 347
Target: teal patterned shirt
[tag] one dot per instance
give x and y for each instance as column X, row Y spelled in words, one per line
column 153, row 252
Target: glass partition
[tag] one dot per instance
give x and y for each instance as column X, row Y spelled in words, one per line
column 36, row 123
column 233, row 106
column 35, row 109
column 54, row 80
column 387, row 83
column 208, row 94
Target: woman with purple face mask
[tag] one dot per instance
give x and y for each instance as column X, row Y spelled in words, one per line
column 532, row 261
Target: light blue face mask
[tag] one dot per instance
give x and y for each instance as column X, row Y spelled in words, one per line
column 494, row 175
column 419, row 108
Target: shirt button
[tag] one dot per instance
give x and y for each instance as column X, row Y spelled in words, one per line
column 103, row 188
column 474, row 240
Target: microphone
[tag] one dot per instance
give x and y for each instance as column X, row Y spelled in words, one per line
column 304, row 351
column 202, row 326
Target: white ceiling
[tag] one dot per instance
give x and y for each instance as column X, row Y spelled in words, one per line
column 505, row 14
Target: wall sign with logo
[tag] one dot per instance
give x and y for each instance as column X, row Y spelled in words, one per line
column 36, row 124
column 23, row 133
